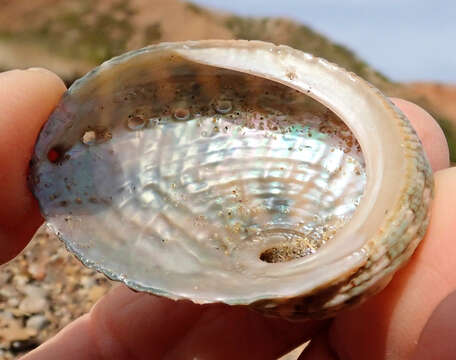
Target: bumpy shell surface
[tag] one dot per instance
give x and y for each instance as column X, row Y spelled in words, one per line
column 111, row 173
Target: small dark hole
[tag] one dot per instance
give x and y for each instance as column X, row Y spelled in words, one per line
column 283, row 253
column 57, row 155
column 269, row 255
column 53, row 155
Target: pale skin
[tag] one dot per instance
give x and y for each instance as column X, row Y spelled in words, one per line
column 413, row 318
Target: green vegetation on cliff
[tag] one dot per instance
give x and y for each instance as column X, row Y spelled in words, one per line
column 80, row 32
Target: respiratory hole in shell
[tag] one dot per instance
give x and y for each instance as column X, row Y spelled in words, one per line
column 294, row 245
column 56, row 154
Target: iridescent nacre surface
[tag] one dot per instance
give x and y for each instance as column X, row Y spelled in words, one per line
column 212, row 182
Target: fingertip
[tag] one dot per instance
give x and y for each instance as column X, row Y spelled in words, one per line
column 429, row 131
column 27, row 97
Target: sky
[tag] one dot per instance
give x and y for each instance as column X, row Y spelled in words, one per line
column 407, row 40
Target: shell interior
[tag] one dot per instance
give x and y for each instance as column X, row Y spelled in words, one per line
column 196, row 181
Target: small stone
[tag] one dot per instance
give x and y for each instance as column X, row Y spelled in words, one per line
column 20, row 280
column 33, row 304
column 89, row 137
column 37, row 322
column 23, row 345
column 37, row 270
column 7, row 291
column 33, row 290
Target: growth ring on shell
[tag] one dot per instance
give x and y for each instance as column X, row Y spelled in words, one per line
column 234, row 171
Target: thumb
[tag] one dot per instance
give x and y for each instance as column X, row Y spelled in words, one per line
column 26, row 100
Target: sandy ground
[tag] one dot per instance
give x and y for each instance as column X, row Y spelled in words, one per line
column 41, row 291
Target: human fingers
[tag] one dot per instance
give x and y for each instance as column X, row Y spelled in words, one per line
column 125, row 325
column 26, row 100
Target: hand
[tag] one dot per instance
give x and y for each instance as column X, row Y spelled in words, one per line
column 125, row 325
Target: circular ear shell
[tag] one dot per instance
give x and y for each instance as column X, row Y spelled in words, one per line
column 237, row 172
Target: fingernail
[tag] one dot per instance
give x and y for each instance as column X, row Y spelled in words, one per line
column 438, row 338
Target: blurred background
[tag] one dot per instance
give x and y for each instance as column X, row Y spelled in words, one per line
column 405, row 48
column 407, row 40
